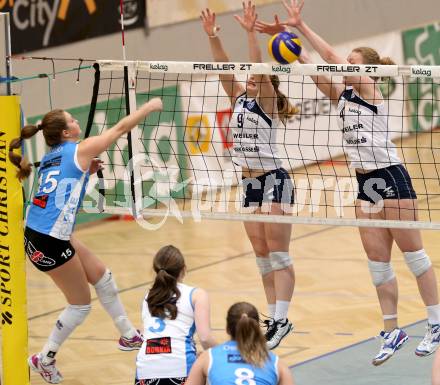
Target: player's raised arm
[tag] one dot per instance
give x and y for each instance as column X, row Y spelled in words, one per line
column 325, row 84
column 95, row 145
column 325, row 50
column 365, row 85
column 229, row 82
column 267, row 95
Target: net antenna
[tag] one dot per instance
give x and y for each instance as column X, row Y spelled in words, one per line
column 5, row 54
column 133, row 137
column 124, row 56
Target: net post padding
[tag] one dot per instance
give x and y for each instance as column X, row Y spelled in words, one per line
column 12, row 259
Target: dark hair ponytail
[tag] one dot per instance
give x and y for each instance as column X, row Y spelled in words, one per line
column 242, row 323
column 24, row 167
column 285, row 109
column 52, row 125
column 163, row 295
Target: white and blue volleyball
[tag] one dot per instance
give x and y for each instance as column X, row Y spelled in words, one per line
column 284, row 47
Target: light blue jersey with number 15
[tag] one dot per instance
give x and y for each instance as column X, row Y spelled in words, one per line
column 61, row 189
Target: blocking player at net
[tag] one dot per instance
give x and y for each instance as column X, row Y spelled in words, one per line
column 244, row 359
column 385, row 187
column 258, row 109
column 171, row 313
column 49, row 242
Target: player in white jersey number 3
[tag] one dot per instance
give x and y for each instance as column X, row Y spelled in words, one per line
column 171, row 313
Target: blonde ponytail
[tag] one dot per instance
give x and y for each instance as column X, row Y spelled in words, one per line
column 386, row 61
column 243, row 326
column 285, row 109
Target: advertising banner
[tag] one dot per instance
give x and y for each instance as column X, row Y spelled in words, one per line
column 421, row 46
column 39, row 24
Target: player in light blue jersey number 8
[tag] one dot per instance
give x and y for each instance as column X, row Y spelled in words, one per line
column 49, row 243
column 382, row 180
column 244, row 360
column 171, row 313
column 259, row 109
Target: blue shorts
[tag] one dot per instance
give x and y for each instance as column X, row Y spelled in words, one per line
column 392, row 182
column 273, row 186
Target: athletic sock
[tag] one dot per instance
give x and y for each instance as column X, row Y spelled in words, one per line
column 281, row 310
column 433, row 314
column 271, row 310
column 107, row 292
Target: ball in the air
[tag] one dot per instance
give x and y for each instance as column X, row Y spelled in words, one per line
column 284, row 47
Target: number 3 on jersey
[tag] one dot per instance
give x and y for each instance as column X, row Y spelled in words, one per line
column 244, row 376
column 159, row 325
column 47, row 182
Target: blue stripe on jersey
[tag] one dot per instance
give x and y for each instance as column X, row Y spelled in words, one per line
column 61, row 189
column 191, row 297
column 190, row 349
column 350, row 96
column 253, row 106
column 276, row 50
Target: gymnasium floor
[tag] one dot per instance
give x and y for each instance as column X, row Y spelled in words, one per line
column 334, row 304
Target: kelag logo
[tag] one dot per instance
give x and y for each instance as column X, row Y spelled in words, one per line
column 37, row 24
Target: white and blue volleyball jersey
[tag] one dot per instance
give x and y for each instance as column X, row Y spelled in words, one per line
column 168, row 350
column 61, row 189
column 227, row 367
column 365, row 132
column 254, row 136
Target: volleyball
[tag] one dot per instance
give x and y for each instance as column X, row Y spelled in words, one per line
column 284, row 47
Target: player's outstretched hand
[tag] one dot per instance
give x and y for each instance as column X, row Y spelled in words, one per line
column 208, row 21
column 293, row 9
column 95, row 165
column 155, row 104
column 247, row 21
column 270, row 28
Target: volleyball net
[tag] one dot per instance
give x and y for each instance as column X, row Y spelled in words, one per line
column 179, row 162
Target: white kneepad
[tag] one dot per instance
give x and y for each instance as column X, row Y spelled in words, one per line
column 381, row 272
column 73, row 315
column 417, row 261
column 106, row 288
column 264, row 265
column 280, row 260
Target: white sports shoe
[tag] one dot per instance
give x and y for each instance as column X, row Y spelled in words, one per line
column 276, row 331
column 49, row 372
column 430, row 342
column 391, row 342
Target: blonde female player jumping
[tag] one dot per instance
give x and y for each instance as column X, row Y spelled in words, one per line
column 171, row 313
column 244, row 359
column 384, row 185
column 49, row 243
column 257, row 109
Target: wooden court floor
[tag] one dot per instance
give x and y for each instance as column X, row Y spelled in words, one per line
column 334, row 303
